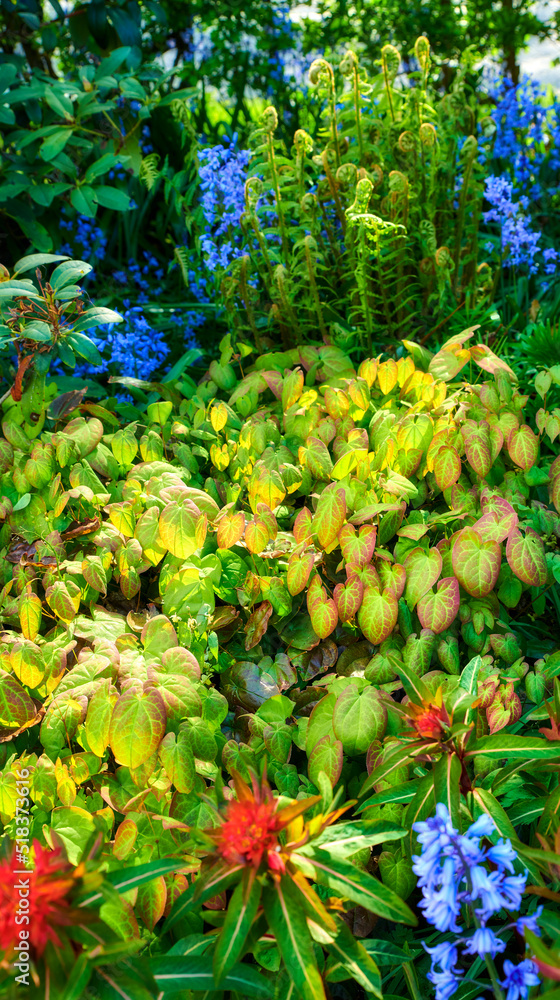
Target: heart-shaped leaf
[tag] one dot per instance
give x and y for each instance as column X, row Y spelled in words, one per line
column 438, row 611
column 476, row 564
column 526, row 556
column 422, row 570
column 357, row 547
column 523, row 447
column 329, row 516
column 447, row 466
column 348, row 598
column 378, row 614
column 478, row 446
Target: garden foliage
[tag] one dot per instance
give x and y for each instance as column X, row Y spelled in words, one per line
column 280, row 656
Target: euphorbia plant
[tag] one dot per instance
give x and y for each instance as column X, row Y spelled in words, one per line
column 268, row 853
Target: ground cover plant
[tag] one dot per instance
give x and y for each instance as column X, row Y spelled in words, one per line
column 280, row 652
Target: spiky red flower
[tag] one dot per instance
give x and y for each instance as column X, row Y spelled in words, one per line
column 430, row 720
column 45, row 887
column 248, row 833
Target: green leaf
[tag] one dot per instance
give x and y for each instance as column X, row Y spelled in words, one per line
column 344, row 839
column 103, row 165
column 241, row 911
column 54, row 144
column 385, row 952
column 83, row 200
column 178, row 973
column 359, row 718
column 96, row 316
column 422, row 806
column 131, row 878
column 33, row 261
column 354, row 958
column 414, row 687
column 84, row 347
column 137, row 726
column 109, row 197
column 213, row 883
column 286, row 916
column 447, row 775
column 38, row 330
column 354, row 884
column 329, row 516
column 512, row 747
column 68, row 273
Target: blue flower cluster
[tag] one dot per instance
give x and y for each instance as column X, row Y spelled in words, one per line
column 86, row 240
column 519, row 242
column 137, row 276
column 527, row 131
column 133, row 346
column 222, row 173
column 453, row 872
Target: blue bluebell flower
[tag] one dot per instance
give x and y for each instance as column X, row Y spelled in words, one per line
column 519, row 978
column 222, row 174
column 453, row 872
column 133, row 348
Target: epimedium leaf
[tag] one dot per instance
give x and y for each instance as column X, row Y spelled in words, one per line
column 16, row 707
column 525, row 554
column 241, row 911
column 230, row 529
column 447, row 466
column 357, row 547
column 348, row 598
column 476, row 437
column 476, row 564
column 329, row 516
column 137, row 726
column 359, row 718
column 422, row 571
column 378, row 614
column 326, row 756
column 523, row 447
column 438, row 611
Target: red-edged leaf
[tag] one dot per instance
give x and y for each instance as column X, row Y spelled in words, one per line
column 302, row 526
column 357, row 547
column 257, row 624
column 348, row 598
column 392, row 577
column 300, row 565
column 329, row 516
column 498, row 519
column 324, row 617
column 438, row 611
column 257, row 536
column 378, row 614
column 478, row 446
column 230, row 529
column 526, row 556
column 523, row 447
column 447, row 467
column 476, row 564
column 422, row 570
